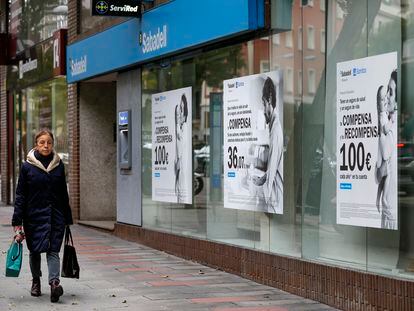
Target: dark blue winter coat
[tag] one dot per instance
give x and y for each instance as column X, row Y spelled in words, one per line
column 42, row 204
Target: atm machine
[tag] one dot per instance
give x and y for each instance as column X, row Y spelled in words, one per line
column 125, row 141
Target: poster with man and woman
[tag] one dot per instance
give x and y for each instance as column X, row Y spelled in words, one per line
column 367, row 134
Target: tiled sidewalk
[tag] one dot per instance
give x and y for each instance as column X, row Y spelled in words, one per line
column 118, row 275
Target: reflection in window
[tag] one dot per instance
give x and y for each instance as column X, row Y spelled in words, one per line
column 264, row 66
column 205, row 73
column 311, row 81
column 289, row 80
column 350, row 37
column 339, row 11
column 311, row 38
column 46, row 107
column 207, row 217
column 276, row 39
column 32, row 21
column 323, row 40
column 288, row 39
column 3, row 17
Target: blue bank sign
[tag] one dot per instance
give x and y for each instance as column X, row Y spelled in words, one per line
column 166, row 29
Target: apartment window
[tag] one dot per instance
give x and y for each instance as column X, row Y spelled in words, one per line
column 311, row 38
column 322, row 5
column 300, row 38
column 300, row 82
column 276, row 39
column 288, row 39
column 306, row 3
column 289, row 80
column 379, row 26
column 311, row 81
column 339, row 12
column 264, row 66
column 323, row 40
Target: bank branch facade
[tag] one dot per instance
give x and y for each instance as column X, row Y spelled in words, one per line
column 271, row 139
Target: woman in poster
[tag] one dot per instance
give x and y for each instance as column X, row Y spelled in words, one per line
column 181, row 113
column 385, row 166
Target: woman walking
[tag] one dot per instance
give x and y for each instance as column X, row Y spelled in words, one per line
column 42, row 209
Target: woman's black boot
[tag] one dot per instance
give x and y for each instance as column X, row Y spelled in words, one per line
column 56, row 290
column 35, row 291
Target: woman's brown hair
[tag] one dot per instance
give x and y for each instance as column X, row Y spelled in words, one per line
column 44, row 131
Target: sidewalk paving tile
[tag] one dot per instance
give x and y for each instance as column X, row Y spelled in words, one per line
column 252, row 309
column 223, row 299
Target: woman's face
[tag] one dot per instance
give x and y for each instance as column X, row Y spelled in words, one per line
column 44, row 145
column 384, row 100
column 391, row 95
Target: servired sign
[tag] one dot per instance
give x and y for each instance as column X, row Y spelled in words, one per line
column 126, row 8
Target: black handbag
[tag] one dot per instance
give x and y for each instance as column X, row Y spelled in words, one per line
column 70, row 265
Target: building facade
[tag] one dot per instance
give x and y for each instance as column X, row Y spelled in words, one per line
column 343, row 234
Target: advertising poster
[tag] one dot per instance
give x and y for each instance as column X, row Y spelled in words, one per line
column 171, row 146
column 367, row 134
column 253, row 143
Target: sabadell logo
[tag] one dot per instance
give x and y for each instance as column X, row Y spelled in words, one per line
column 78, row 66
column 101, row 7
column 154, row 42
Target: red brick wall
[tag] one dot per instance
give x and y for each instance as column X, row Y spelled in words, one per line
column 3, row 131
column 73, row 126
column 73, row 20
column 73, row 117
column 3, row 135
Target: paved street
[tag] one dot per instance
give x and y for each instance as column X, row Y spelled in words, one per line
column 120, row 275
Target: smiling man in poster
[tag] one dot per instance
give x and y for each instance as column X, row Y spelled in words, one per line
column 272, row 181
column 253, row 143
